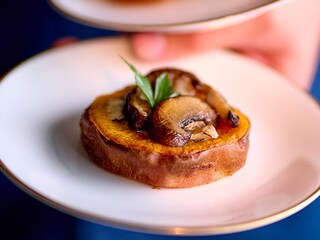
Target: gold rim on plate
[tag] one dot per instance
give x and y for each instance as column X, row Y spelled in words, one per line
column 206, row 230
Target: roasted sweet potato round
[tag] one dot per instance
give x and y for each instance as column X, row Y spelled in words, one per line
column 116, row 147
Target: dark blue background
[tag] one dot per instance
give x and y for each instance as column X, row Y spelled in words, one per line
column 29, row 27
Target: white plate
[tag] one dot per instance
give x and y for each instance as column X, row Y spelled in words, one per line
column 163, row 15
column 41, row 102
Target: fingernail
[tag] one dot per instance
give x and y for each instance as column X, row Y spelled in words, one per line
column 64, row 41
column 149, row 46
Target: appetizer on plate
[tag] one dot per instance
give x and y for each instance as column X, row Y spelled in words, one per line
column 169, row 130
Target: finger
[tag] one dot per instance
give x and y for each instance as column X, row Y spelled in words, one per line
column 153, row 46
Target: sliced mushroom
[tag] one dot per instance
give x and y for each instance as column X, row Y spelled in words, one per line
column 183, row 82
column 114, row 110
column 136, row 110
column 219, row 103
column 170, row 118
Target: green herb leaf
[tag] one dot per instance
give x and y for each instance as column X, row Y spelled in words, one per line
column 143, row 83
column 174, row 94
column 163, row 88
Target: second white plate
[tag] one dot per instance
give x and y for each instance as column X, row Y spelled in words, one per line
column 163, row 15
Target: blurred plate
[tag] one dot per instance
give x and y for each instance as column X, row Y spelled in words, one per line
column 41, row 102
column 163, row 15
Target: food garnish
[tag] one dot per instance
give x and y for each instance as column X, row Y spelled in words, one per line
column 162, row 90
column 168, row 130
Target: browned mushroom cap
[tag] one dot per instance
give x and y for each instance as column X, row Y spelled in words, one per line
column 136, row 109
column 170, row 118
column 183, row 82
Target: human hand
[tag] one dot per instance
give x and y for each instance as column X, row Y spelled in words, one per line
column 287, row 39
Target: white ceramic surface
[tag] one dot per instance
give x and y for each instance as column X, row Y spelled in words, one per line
column 163, row 15
column 41, row 102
